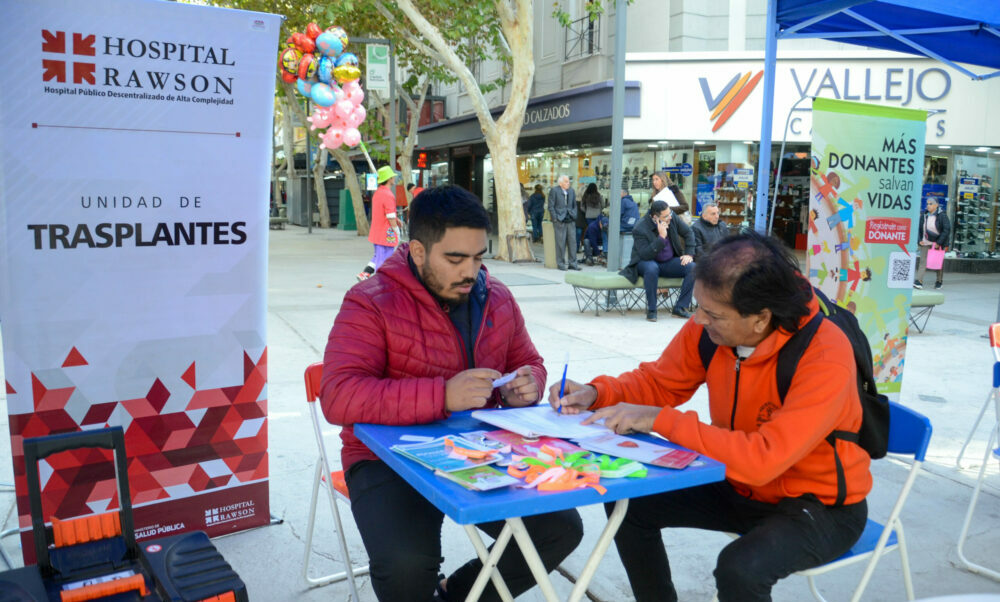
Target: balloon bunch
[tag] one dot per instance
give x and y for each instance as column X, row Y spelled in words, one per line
column 316, row 62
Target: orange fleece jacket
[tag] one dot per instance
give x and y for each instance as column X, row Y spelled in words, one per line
column 773, row 450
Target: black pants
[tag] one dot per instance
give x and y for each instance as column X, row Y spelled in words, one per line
column 777, row 539
column 402, row 534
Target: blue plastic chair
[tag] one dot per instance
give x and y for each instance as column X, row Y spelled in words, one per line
column 909, row 435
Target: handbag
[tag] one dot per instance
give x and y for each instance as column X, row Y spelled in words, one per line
column 935, row 258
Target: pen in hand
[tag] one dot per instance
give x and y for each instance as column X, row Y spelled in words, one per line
column 562, row 385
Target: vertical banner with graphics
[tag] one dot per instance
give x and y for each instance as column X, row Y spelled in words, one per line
column 377, row 69
column 134, row 154
column 866, row 175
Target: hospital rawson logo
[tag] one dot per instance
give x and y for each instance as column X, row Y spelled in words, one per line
column 96, row 65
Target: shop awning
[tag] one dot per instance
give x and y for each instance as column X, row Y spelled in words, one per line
column 952, row 31
column 963, row 34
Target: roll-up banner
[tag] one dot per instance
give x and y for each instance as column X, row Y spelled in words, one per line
column 866, row 175
column 136, row 139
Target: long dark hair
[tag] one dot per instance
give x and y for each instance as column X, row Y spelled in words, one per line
column 592, row 198
column 753, row 272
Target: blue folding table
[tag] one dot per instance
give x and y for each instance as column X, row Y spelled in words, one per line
column 468, row 507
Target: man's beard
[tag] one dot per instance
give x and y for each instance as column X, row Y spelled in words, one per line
column 433, row 284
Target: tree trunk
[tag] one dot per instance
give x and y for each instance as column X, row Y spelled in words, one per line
column 513, row 239
column 405, row 157
column 319, row 170
column 516, row 20
column 288, row 143
column 351, row 179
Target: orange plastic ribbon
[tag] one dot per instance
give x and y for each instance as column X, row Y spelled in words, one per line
column 472, row 454
column 553, row 477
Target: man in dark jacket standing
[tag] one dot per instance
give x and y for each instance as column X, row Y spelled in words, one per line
column 708, row 229
column 562, row 212
column 424, row 337
column 662, row 248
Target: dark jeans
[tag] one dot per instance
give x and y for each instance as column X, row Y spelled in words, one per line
column 536, row 226
column 651, row 270
column 402, row 535
column 777, row 539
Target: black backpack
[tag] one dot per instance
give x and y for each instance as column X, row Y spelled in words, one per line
column 873, row 435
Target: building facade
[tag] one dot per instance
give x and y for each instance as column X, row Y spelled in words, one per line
column 693, row 106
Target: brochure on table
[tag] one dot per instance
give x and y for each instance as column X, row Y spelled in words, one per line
column 439, row 454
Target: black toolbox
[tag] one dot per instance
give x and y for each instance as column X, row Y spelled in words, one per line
column 97, row 558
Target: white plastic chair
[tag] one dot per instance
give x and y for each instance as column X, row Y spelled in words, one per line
column 335, row 487
column 992, row 399
column 909, row 435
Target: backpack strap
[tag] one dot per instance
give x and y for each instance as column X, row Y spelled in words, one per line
column 791, row 353
column 788, row 360
column 706, row 349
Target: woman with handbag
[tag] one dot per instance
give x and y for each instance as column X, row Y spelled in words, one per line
column 934, row 232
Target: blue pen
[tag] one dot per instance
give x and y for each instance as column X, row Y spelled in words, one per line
column 562, row 386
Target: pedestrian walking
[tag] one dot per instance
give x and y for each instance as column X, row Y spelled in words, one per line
column 385, row 227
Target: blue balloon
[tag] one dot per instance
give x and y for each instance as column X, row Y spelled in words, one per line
column 347, row 59
column 324, row 70
column 322, row 94
column 304, row 87
column 329, row 43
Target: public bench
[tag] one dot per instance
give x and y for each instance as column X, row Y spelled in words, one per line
column 921, row 306
column 278, row 223
column 608, row 290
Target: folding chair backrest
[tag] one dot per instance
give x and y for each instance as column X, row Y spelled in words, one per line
column 333, row 483
column 314, row 376
column 909, row 431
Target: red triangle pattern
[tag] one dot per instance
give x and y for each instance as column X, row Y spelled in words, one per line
column 10, row 389
column 164, row 448
column 188, row 376
column 74, row 359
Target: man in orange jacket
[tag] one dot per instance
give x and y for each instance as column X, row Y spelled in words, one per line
column 783, row 479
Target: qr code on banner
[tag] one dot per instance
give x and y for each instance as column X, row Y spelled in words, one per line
column 900, row 270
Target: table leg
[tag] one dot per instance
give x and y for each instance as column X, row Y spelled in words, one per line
column 531, row 557
column 489, row 559
column 607, row 536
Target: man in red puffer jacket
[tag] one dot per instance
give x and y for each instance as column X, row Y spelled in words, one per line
column 424, row 337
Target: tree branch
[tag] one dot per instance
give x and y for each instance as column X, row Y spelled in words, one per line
column 506, row 15
column 410, row 37
column 453, row 62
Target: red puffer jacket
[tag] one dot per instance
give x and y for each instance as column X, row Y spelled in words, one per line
column 393, row 347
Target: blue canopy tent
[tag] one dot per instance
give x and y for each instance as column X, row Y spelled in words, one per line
column 951, row 31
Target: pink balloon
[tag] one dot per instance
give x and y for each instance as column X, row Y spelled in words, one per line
column 320, row 118
column 356, row 96
column 341, row 123
column 339, row 95
column 351, row 86
column 352, row 137
column 357, row 117
column 343, row 108
column 333, row 138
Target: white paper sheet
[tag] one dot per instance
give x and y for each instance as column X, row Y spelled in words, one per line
column 539, row 420
column 666, row 195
